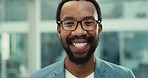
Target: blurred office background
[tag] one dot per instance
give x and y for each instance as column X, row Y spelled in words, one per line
column 29, row 41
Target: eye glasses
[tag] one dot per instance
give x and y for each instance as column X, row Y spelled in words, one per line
column 71, row 25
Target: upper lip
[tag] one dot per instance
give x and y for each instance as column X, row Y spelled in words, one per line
column 79, row 41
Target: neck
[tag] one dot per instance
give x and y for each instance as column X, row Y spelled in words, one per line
column 80, row 70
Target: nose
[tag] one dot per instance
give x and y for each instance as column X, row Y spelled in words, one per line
column 79, row 31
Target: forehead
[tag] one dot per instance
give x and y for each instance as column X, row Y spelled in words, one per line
column 78, row 10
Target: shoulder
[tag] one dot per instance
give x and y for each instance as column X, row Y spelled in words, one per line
column 49, row 71
column 114, row 70
column 112, row 67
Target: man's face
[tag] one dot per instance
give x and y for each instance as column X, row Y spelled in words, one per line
column 79, row 44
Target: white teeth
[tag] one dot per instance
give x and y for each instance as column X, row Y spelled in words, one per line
column 79, row 44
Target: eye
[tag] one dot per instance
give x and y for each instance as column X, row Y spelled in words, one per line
column 69, row 23
column 89, row 22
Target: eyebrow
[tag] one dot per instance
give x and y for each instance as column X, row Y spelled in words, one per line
column 68, row 18
column 72, row 18
column 88, row 17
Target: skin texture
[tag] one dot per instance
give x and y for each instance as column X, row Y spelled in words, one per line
column 76, row 11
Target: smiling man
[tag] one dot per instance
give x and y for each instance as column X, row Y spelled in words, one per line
column 79, row 28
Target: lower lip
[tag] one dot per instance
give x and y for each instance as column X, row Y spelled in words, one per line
column 80, row 49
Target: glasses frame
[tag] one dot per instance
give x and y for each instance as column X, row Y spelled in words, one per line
column 61, row 23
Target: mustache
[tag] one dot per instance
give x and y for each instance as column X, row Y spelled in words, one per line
column 89, row 39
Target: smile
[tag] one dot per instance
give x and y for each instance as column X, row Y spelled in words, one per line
column 79, row 45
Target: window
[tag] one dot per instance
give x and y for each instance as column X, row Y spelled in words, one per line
column 15, row 10
column 110, row 47
column 51, row 49
column 48, row 9
column 136, row 52
column 14, row 55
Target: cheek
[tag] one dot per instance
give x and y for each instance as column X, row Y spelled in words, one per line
column 94, row 34
column 64, row 35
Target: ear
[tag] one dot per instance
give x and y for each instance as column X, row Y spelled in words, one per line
column 59, row 31
column 100, row 29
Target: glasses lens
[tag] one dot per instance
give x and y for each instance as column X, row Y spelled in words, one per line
column 69, row 25
column 89, row 24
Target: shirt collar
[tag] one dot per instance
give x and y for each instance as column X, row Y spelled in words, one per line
column 69, row 75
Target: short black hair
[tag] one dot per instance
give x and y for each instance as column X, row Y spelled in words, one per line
column 98, row 9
